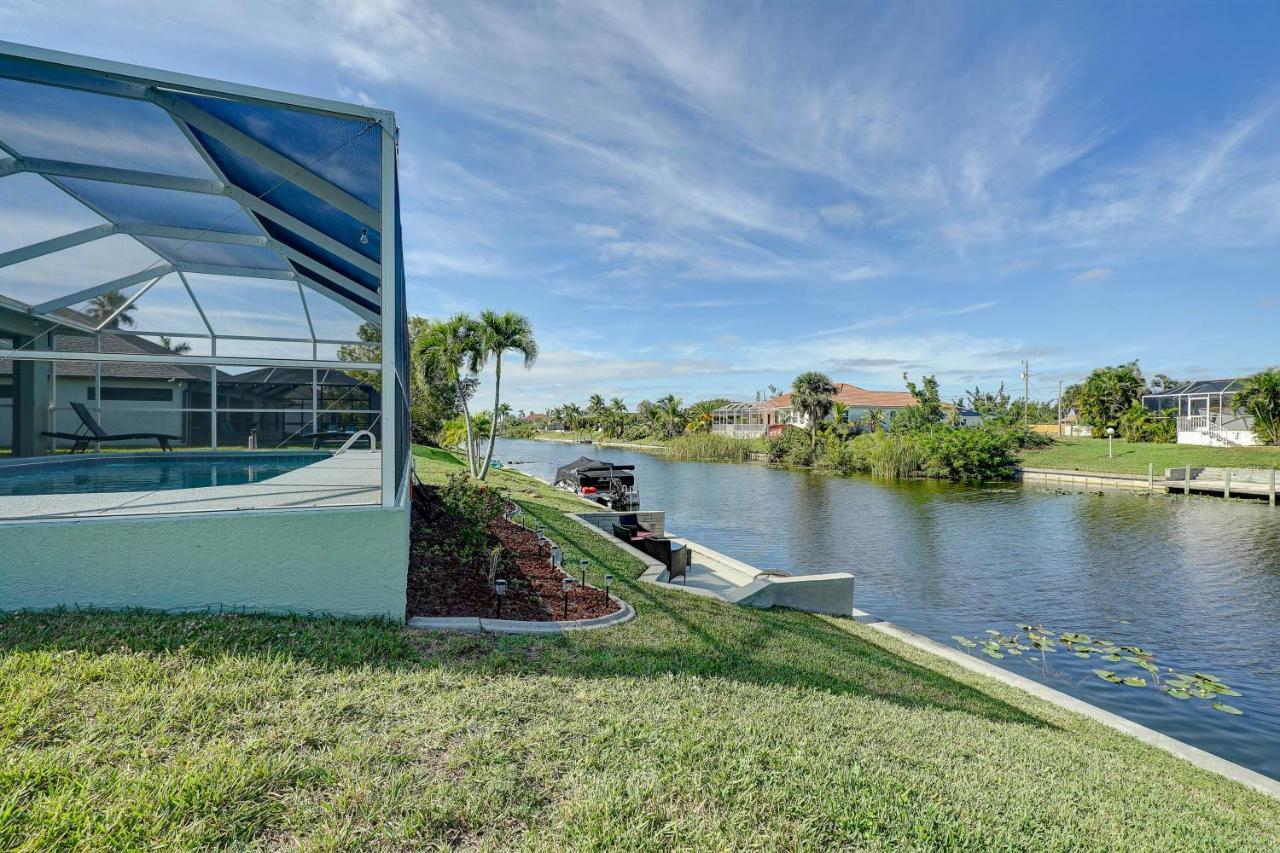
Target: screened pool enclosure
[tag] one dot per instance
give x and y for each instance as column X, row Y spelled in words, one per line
column 198, row 267
column 194, row 260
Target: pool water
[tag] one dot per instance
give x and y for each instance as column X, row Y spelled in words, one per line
column 136, row 473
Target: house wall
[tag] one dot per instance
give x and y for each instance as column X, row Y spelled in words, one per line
column 348, row 562
column 117, row 416
column 1243, row 438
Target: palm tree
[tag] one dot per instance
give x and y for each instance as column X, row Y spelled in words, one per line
column 839, row 419
column 702, row 414
column 1259, row 397
column 596, row 412
column 504, row 413
column 873, row 420
column 105, row 305
column 452, row 348
column 499, row 334
column 618, row 416
column 669, row 414
column 812, row 394
column 572, row 415
column 180, row 348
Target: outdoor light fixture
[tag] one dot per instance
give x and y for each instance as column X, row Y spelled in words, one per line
column 1111, row 431
column 608, row 582
column 566, row 584
column 582, row 570
column 499, row 587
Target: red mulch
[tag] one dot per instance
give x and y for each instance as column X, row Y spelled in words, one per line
column 439, row 585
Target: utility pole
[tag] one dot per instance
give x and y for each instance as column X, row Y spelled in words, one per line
column 1026, row 391
column 1059, row 407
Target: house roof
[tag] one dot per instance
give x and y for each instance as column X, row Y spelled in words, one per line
column 852, row 395
column 123, row 344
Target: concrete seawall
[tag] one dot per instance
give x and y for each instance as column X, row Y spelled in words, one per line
column 1090, row 479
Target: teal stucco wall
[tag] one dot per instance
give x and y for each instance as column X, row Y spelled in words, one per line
column 342, row 561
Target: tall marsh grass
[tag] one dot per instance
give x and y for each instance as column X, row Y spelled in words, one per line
column 715, row 447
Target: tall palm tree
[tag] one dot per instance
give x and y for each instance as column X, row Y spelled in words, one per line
column 1259, row 397
column 452, row 348
column 572, row 415
column 596, row 412
column 499, row 334
column 618, row 416
column 812, row 394
column 669, row 414
column 104, row 305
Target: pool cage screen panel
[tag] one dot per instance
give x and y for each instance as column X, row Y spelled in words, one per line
column 236, row 232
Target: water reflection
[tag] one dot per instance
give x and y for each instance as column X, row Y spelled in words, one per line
column 1195, row 580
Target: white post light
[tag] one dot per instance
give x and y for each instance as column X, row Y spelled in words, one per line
column 1111, row 432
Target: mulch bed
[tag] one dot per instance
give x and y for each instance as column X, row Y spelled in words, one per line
column 441, row 585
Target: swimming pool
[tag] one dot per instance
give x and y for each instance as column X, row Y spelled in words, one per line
column 138, row 472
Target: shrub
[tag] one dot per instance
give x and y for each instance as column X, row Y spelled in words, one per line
column 472, row 505
column 968, row 454
column 517, row 429
column 636, row 432
column 1141, row 424
column 792, row 447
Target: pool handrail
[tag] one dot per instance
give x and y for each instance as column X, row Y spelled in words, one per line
column 346, row 445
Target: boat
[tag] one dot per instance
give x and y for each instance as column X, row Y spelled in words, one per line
column 605, row 483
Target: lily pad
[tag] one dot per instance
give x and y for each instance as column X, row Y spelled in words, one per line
column 1227, row 709
column 1082, row 655
column 992, row 654
column 1177, row 693
column 1112, row 658
column 1135, row 681
column 964, row 641
column 1107, row 675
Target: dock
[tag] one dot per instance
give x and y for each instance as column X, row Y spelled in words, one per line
column 716, row 575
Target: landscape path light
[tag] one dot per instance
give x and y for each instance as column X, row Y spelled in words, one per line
column 1111, row 432
column 582, row 570
column 500, row 588
column 566, row 584
column 608, row 582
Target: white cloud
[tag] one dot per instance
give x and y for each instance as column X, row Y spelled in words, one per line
column 602, row 231
column 1092, row 274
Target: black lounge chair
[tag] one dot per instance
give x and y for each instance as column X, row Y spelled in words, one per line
column 673, row 555
column 93, row 432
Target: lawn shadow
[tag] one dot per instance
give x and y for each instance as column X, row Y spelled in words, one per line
column 325, row 642
column 785, row 648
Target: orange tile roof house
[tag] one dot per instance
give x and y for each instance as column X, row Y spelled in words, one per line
column 753, row 420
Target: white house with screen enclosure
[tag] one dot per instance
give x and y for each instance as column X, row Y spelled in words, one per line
column 203, row 348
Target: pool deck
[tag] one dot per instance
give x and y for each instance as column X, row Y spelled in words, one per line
column 349, row 479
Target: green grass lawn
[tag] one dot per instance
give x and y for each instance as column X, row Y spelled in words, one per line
column 1090, row 454
column 697, row 725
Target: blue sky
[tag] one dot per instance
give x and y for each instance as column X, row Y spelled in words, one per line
column 706, row 199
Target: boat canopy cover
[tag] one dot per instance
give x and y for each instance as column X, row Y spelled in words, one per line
column 589, row 467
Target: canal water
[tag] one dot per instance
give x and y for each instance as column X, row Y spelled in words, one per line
column 1194, row 581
